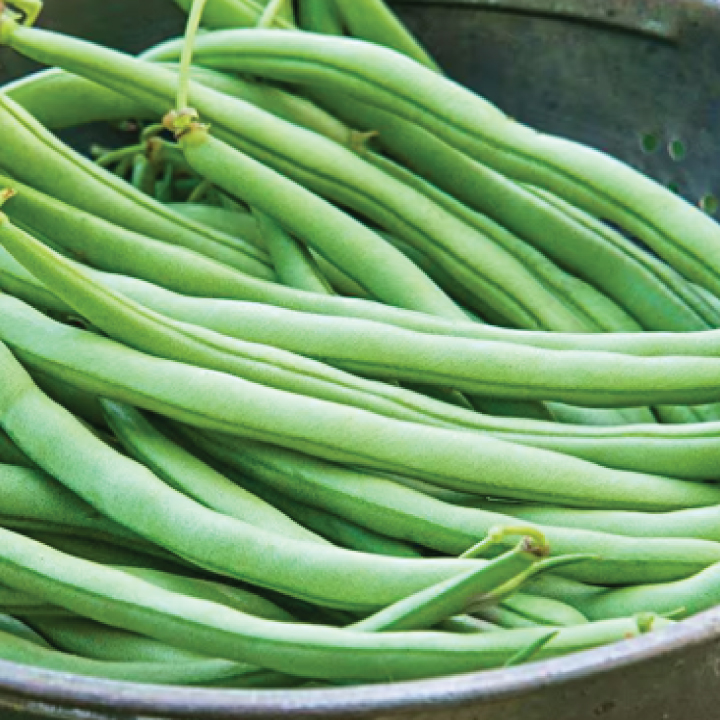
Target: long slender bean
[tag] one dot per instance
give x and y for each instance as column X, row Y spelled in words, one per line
column 455, row 459
column 402, row 512
column 190, row 475
column 665, row 449
column 43, row 159
column 605, row 187
column 336, row 172
column 375, row 21
column 312, row 651
column 126, row 491
column 682, row 598
column 189, row 672
column 431, row 606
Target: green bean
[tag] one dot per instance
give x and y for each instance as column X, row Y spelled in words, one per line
column 84, row 405
column 32, row 499
column 594, row 181
column 108, row 595
column 320, row 16
column 125, row 491
column 190, row 672
column 374, row 21
column 245, row 226
column 566, row 590
column 108, row 553
column 118, row 250
column 143, row 175
column 187, row 343
column 96, row 641
column 431, row 606
column 43, row 159
column 12, row 626
column 337, row 530
column 668, row 450
column 700, row 524
column 188, row 474
column 447, row 457
column 507, row 619
column 526, row 655
column 228, row 221
column 344, row 177
column 597, row 311
column 649, row 289
column 468, row 624
column 294, row 265
column 385, row 506
column 212, row 590
column 60, row 100
column 485, row 368
column 241, row 13
column 681, row 598
column 84, row 637
column 280, row 369
column 544, row 611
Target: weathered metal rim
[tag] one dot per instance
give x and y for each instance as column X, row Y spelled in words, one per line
column 22, row 683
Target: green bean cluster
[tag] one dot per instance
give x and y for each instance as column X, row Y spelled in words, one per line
column 332, row 373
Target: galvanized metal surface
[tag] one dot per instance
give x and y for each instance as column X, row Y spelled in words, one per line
column 637, row 78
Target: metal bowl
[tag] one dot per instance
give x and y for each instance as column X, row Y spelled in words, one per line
column 637, row 78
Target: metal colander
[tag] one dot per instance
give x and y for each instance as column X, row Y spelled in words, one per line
column 637, row 78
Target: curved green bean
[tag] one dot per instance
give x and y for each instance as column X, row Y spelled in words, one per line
column 442, row 456
column 191, row 476
column 594, row 181
column 35, row 156
column 339, row 174
column 123, row 490
column 311, row 651
column 386, row 506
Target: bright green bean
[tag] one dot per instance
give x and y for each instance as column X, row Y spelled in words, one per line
column 294, row 265
column 386, row 506
column 594, row 181
column 446, row 457
column 668, row 450
column 43, row 159
column 341, row 175
column 544, row 611
column 431, row 606
column 374, row 21
column 126, row 491
column 682, row 598
column 649, row 289
column 189, row 672
column 312, row 651
column 93, row 640
column 188, row 474
column 700, row 524
column 337, row 530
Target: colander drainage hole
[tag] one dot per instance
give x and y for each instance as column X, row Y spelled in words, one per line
column 677, row 150
column 650, row 143
column 710, row 204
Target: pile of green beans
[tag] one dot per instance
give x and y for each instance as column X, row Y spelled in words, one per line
column 331, row 373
